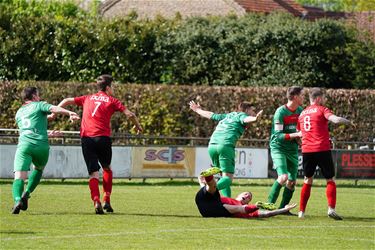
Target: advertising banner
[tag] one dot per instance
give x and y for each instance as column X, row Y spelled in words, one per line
column 163, row 162
column 356, row 164
column 249, row 162
column 67, row 162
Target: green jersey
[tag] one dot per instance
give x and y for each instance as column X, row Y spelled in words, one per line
column 229, row 129
column 284, row 122
column 31, row 119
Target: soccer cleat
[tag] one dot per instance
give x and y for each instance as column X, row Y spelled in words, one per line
column 98, row 208
column 107, row 207
column 24, row 201
column 17, row 207
column 332, row 214
column 265, row 205
column 301, row 214
column 210, row 171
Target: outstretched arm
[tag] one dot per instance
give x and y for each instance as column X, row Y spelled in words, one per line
column 59, row 110
column 338, row 120
column 198, row 109
column 253, row 118
column 66, row 101
column 63, row 103
column 133, row 118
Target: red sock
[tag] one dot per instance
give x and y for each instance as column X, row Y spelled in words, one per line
column 94, row 189
column 251, row 208
column 305, row 195
column 209, row 178
column 331, row 194
column 107, row 184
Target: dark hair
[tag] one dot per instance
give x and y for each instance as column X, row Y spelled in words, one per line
column 293, row 91
column 314, row 93
column 103, row 81
column 243, row 106
column 28, row 92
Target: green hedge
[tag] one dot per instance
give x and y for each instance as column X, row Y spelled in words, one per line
column 62, row 43
column 163, row 110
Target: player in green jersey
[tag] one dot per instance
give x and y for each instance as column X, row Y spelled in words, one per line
column 223, row 140
column 33, row 145
column 284, row 146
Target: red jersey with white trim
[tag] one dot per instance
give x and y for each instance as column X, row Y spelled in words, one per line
column 230, row 201
column 97, row 112
column 313, row 123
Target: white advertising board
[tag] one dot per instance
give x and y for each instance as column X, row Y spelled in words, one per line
column 67, row 162
column 249, row 162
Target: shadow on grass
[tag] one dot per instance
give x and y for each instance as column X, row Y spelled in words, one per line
column 16, row 232
column 111, row 214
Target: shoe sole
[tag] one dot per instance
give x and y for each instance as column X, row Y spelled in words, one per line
column 335, row 217
column 24, row 203
column 266, row 206
column 17, row 208
column 210, row 172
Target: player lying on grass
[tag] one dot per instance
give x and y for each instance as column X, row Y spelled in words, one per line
column 210, row 204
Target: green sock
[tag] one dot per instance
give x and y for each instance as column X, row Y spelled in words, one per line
column 287, row 196
column 274, row 193
column 34, row 180
column 17, row 189
column 224, row 186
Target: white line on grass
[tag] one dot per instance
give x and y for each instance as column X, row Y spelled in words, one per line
column 49, row 237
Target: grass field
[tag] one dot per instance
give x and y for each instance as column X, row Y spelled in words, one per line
column 61, row 216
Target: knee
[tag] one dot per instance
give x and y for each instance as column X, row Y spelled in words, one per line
column 94, row 175
column 20, row 175
column 282, row 179
column 291, row 184
column 308, row 180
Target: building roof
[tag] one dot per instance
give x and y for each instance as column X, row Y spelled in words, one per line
column 149, row 9
column 169, row 8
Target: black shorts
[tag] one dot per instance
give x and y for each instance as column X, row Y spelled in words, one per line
column 210, row 205
column 95, row 150
column 321, row 159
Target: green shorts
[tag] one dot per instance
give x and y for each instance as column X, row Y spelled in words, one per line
column 223, row 157
column 30, row 153
column 285, row 163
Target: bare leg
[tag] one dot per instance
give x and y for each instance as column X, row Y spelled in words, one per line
column 234, row 209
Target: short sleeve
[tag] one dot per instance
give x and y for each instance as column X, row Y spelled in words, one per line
column 242, row 117
column 278, row 121
column 327, row 112
column 80, row 100
column 218, row 117
column 117, row 105
column 45, row 107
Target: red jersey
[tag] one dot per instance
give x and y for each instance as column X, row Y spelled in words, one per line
column 313, row 123
column 230, row 201
column 97, row 112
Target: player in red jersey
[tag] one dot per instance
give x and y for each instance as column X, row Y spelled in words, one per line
column 316, row 149
column 210, row 204
column 95, row 136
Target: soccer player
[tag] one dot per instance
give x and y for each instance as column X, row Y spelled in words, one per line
column 316, row 149
column 210, row 204
column 223, row 140
column 95, row 136
column 284, row 146
column 33, row 145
